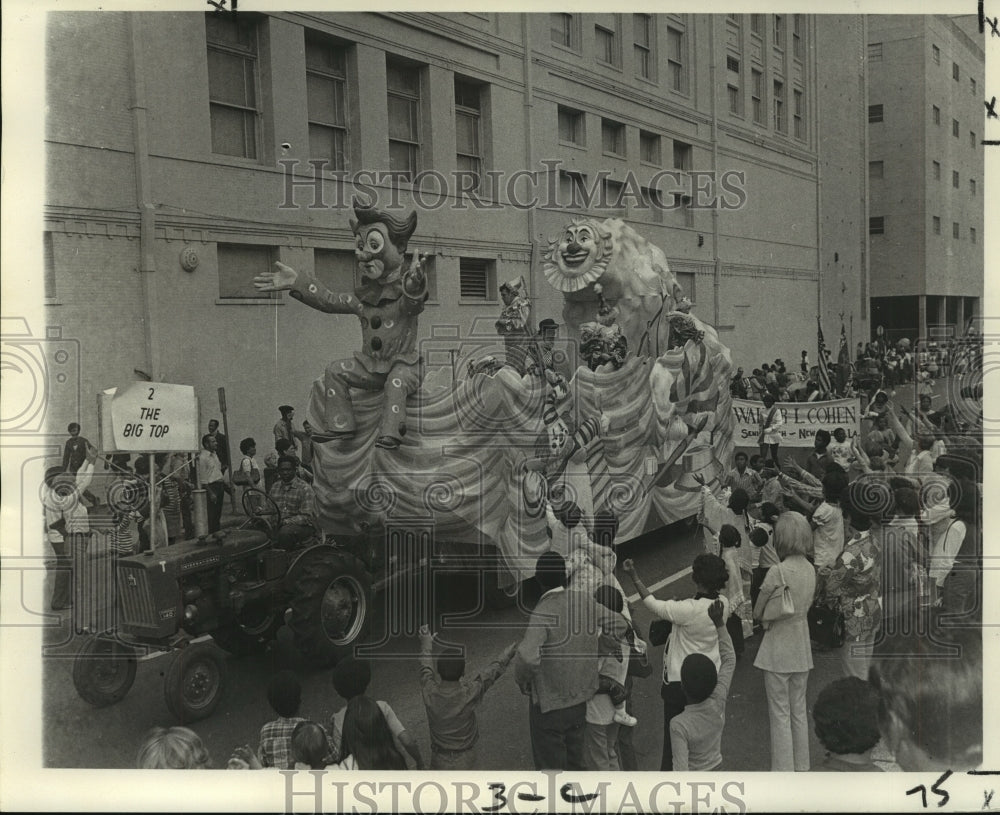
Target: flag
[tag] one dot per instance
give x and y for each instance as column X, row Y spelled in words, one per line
column 825, row 388
column 844, row 354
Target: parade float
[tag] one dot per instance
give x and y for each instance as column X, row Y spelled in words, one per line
column 416, row 471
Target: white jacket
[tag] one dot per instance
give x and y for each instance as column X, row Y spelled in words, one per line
column 67, row 504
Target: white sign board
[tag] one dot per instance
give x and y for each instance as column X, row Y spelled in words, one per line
column 153, row 417
column 802, row 420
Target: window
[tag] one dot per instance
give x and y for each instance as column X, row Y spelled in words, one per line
column 238, row 265
column 954, row 128
column 734, row 100
column 49, row 266
column 606, row 46
column 954, row 71
column 326, row 100
column 468, row 128
column 874, row 113
column 571, row 126
column 972, row 186
column 336, row 268
column 954, row 230
column 612, row 199
column 797, row 49
column 643, row 45
column 562, row 30
column 937, row 170
column 972, row 138
column 757, row 24
column 954, row 179
column 874, row 52
column 476, row 279
column 675, row 58
column 682, row 203
column 682, row 155
column 779, row 107
column 732, row 64
column 612, row 137
column 972, row 85
column 972, row 234
column 573, row 190
column 936, row 114
column 652, row 204
column 936, row 225
column 232, row 84
column 757, row 96
column 779, row 31
column 936, row 54
column 403, row 92
column 649, row 148
column 798, row 115
column 876, row 169
column 876, row 226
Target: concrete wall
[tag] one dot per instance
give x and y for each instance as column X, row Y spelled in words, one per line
column 910, row 258
column 267, row 352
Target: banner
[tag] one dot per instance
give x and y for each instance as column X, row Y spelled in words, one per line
column 802, row 420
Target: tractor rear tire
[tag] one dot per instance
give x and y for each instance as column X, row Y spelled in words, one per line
column 331, row 606
column 103, row 671
column 194, row 682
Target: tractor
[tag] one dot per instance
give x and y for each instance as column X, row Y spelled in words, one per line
column 237, row 586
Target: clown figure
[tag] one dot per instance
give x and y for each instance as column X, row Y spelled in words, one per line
column 387, row 303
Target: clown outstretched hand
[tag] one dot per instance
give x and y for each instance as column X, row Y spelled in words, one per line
column 281, row 279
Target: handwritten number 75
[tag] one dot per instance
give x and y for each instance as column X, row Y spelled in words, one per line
column 936, row 788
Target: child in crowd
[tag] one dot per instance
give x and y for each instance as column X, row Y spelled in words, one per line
column 451, row 702
column 351, row 678
column 740, row 621
column 176, row 748
column 715, row 514
column 840, row 449
column 696, row 733
column 743, row 477
column 606, row 709
column 828, row 521
column 846, row 717
column 762, row 539
column 310, row 746
column 284, row 693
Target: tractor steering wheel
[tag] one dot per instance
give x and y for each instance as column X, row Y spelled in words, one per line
column 259, row 506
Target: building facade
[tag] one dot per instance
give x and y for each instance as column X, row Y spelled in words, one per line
column 187, row 152
column 925, row 122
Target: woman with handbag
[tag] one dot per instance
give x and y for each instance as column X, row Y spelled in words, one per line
column 853, row 585
column 785, row 655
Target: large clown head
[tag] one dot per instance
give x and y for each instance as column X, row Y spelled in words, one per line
column 578, row 258
column 381, row 241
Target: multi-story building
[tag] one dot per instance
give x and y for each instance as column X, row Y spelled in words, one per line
column 187, row 152
column 925, row 124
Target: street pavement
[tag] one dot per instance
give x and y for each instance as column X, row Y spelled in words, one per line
column 112, row 734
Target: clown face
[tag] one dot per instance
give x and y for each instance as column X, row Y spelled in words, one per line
column 378, row 257
column 578, row 258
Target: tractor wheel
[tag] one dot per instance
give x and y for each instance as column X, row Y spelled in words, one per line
column 250, row 632
column 103, row 671
column 194, row 681
column 331, row 605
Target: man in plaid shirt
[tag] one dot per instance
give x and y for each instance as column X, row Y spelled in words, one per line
column 745, row 479
column 294, row 498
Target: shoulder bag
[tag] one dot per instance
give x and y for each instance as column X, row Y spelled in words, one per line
column 244, row 479
column 780, row 604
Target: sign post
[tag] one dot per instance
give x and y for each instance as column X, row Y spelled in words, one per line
column 229, row 459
